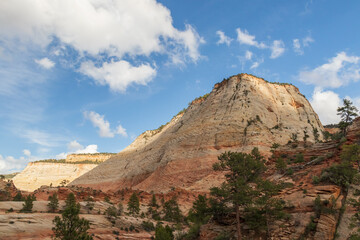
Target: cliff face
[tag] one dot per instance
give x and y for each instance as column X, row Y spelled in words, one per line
column 97, row 157
column 41, row 173
column 240, row 113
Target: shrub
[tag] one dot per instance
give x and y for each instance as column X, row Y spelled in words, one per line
column 53, row 203
column 18, row 197
column 148, row 226
column 111, row 212
column 299, row 158
column 280, row 165
column 315, row 180
column 339, row 174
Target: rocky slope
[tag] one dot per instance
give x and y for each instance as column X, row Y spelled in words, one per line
column 240, row 113
column 37, row 174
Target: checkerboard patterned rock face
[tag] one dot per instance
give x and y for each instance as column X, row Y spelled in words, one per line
column 240, row 113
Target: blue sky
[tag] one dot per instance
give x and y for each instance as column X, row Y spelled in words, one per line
column 90, row 76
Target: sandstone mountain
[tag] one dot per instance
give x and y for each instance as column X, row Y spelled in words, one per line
column 37, row 174
column 240, row 113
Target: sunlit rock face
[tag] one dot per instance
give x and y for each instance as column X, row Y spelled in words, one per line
column 240, row 113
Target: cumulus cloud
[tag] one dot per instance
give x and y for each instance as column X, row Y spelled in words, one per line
column 337, row 72
column 223, row 39
column 75, row 147
column 10, row 164
column 299, row 47
column 243, row 37
column 118, row 75
column 325, row 104
column 104, row 125
column 118, row 28
column 277, row 49
column 45, row 63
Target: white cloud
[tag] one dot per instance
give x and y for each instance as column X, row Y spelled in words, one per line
column 45, row 63
column 118, row 75
column 256, row 64
column 277, row 49
column 223, row 39
column 325, row 104
column 10, row 164
column 248, row 55
column 117, row 27
column 88, row 149
column 337, row 72
column 307, row 40
column 27, row 152
column 74, row 146
column 243, row 37
column 103, row 125
column 299, row 47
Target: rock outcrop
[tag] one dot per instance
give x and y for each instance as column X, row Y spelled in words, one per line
column 37, row 174
column 94, row 157
column 240, row 113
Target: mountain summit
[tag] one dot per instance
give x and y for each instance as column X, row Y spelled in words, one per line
column 240, row 113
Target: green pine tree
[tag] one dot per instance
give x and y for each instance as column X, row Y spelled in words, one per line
column 172, row 211
column 53, row 203
column 134, row 204
column 28, row 204
column 241, row 170
column 347, row 114
column 71, row 226
column 163, row 233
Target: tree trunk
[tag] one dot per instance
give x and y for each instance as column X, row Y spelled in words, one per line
column 238, row 230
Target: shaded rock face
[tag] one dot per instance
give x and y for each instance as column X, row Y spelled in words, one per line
column 240, row 113
column 40, row 173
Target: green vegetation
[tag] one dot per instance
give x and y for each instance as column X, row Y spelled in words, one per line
column 347, row 113
column 64, row 161
column 18, row 197
column 351, row 153
column 340, row 174
column 111, row 213
column 242, row 172
column 172, row 211
column 148, row 226
column 281, row 165
column 53, row 204
column 134, row 204
column 71, row 226
column 163, row 233
column 28, row 204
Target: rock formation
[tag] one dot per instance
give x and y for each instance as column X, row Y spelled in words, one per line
column 94, row 157
column 37, row 174
column 240, row 113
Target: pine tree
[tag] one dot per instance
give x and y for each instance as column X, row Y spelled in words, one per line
column 153, row 202
column 163, row 233
column 241, row 170
column 53, row 203
column 28, row 204
column 200, row 212
column 172, row 211
column 71, row 226
column 347, row 113
column 18, row 197
column 134, row 204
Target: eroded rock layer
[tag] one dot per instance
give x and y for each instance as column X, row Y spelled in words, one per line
column 240, row 113
column 37, row 174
